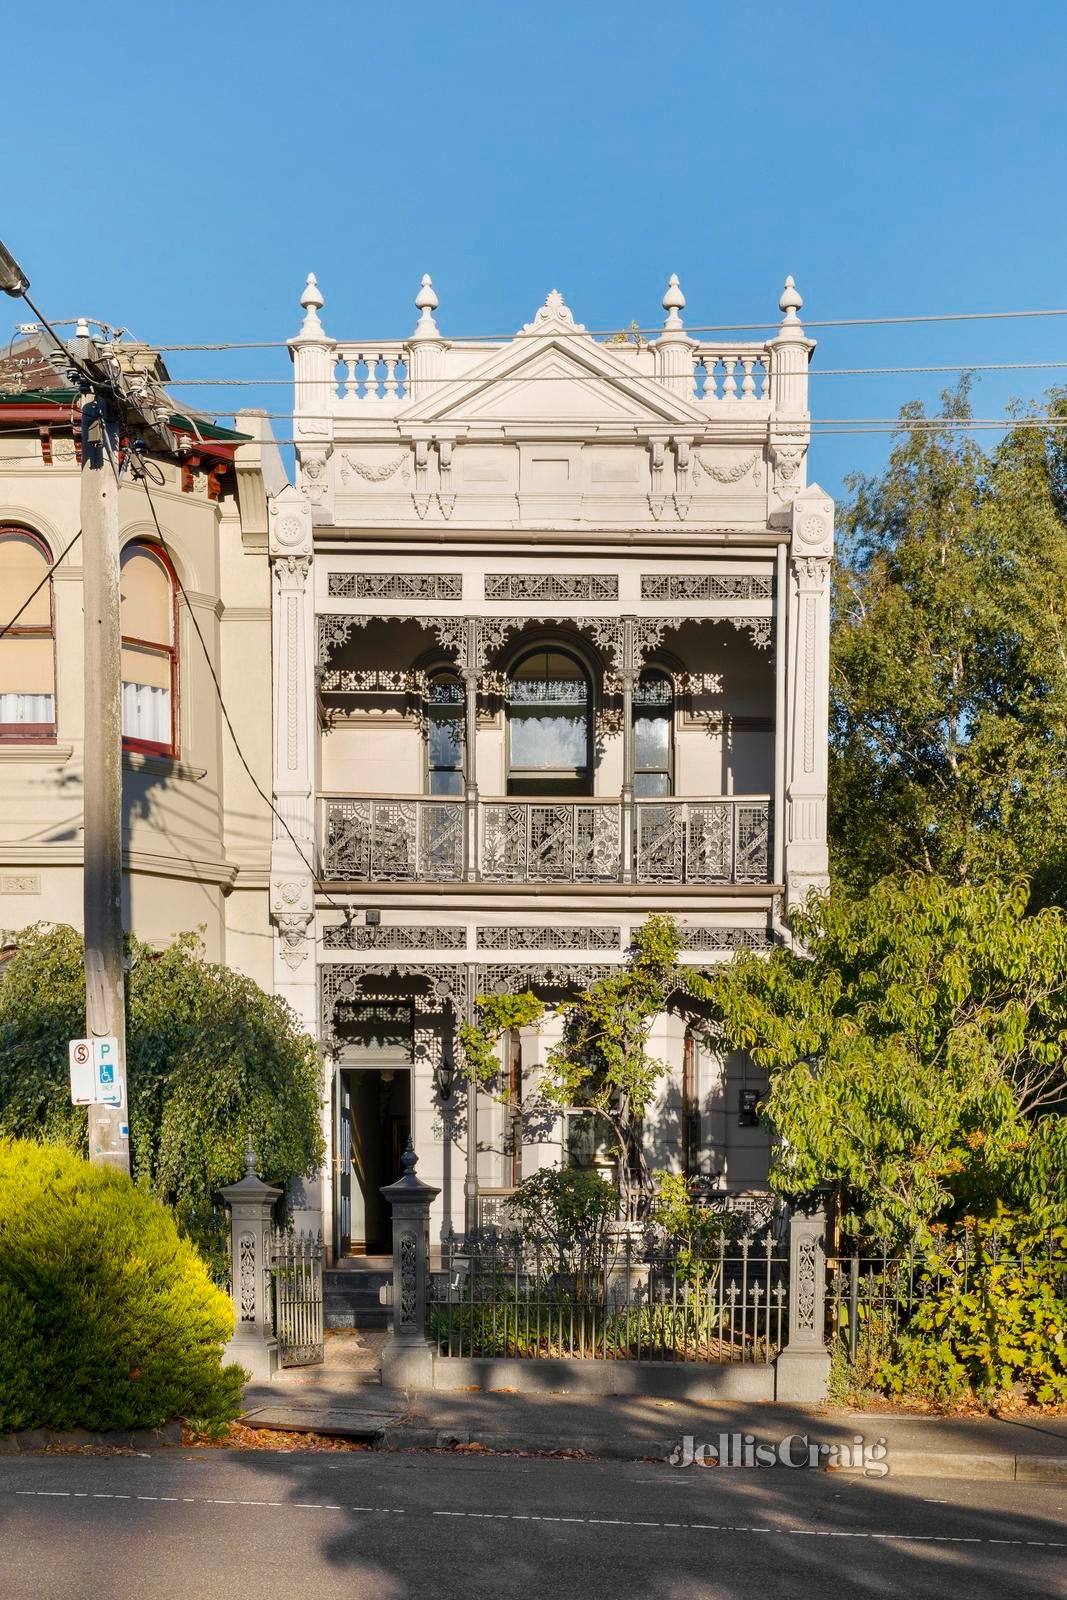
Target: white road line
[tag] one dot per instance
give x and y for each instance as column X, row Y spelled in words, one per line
column 589, row 1522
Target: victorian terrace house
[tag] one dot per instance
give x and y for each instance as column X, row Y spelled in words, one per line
column 551, row 622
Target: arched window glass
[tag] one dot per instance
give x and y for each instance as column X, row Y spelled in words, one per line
column 149, row 650
column 549, row 725
column 445, row 701
column 653, row 735
column 27, row 650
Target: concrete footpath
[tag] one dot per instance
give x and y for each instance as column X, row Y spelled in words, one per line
column 344, row 1397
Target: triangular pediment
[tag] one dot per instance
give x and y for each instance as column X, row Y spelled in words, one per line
column 554, row 371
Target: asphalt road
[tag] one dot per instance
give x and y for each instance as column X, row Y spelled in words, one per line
column 227, row 1525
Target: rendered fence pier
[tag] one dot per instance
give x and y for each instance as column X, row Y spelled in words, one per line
column 251, row 1203
column 407, row 1359
column 803, row 1366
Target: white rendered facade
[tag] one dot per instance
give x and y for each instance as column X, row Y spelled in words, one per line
column 551, row 630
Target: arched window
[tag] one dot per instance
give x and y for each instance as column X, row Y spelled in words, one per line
column 445, row 700
column 653, row 735
column 28, row 649
column 549, row 725
column 149, row 651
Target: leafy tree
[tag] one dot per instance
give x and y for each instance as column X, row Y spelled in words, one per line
column 210, row 1058
column 949, row 658
column 915, row 1052
column 602, row 1063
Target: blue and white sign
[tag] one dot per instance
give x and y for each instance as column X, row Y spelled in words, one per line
column 106, row 1072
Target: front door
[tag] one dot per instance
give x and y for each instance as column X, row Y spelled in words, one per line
column 342, row 1140
column 378, row 1120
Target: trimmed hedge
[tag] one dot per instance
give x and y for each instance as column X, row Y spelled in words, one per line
column 108, row 1317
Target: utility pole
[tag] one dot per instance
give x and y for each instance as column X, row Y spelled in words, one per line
column 103, row 382
column 105, row 1009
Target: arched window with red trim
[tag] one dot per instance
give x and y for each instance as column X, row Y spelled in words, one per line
column 28, row 647
column 149, row 614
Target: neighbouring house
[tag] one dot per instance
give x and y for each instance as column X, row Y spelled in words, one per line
column 196, row 835
column 551, row 623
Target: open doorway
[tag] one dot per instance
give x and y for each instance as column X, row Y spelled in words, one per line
column 372, row 1105
column 380, row 1099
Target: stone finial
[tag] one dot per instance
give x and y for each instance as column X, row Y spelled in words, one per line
column 673, row 302
column 409, row 1160
column 312, row 302
column 251, row 1159
column 790, row 302
column 427, row 302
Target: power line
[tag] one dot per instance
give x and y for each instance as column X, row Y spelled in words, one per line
column 612, row 378
column 142, row 477
column 36, row 591
column 655, row 331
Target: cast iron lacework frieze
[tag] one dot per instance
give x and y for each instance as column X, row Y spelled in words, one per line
column 395, row 585
column 707, row 939
column 546, row 938
column 550, row 586
column 516, row 977
column 704, row 586
column 357, row 936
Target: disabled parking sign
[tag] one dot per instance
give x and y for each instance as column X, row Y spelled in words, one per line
column 106, row 1069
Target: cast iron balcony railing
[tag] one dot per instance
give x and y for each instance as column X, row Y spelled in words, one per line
column 394, row 841
column 369, row 839
column 702, row 841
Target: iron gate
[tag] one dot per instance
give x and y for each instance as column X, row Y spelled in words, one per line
column 296, row 1297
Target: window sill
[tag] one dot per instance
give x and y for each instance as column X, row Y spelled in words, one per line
column 18, row 751
column 161, row 766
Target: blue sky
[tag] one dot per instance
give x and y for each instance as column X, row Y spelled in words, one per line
column 895, row 158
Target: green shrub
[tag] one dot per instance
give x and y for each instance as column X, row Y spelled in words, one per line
column 993, row 1319
column 565, row 1207
column 108, row 1317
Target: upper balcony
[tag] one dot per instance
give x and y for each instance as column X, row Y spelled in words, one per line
column 416, row 839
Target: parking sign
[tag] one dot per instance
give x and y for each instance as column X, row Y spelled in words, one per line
column 108, row 1083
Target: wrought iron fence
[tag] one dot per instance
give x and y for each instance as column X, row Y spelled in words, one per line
column 611, row 1298
column 296, row 1297
column 873, row 1295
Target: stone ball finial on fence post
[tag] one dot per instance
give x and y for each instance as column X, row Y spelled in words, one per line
column 407, row 1359
column 251, row 1205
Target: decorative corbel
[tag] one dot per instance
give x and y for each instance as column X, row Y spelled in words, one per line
column 446, row 499
column 421, row 495
column 657, row 499
column 682, row 486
